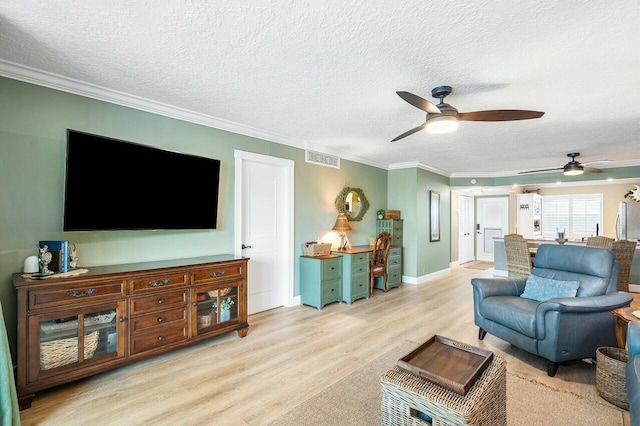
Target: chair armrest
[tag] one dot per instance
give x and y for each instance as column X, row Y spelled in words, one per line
column 486, row 287
column 633, row 338
column 593, row 304
column 607, row 302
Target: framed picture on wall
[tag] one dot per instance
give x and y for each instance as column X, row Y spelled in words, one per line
column 434, row 218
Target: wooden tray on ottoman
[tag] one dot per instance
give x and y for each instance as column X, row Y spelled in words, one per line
column 451, row 364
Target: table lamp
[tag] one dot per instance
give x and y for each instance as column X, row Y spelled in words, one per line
column 342, row 225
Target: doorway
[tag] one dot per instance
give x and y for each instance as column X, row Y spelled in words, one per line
column 264, row 228
column 492, row 221
column 465, row 229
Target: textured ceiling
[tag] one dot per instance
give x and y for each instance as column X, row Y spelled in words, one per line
column 323, row 74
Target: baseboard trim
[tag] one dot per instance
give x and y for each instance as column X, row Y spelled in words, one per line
column 425, row 278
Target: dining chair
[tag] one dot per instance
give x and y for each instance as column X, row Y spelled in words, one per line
column 518, row 255
column 624, row 251
column 600, row 241
column 378, row 264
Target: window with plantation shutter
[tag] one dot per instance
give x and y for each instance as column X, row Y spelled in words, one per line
column 578, row 215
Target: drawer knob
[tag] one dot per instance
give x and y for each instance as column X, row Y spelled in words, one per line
column 121, row 319
column 160, row 301
column 218, row 274
column 160, row 319
column 88, row 292
column 160, row 338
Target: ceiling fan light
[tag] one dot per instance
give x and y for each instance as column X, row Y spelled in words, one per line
column 442, row 124
column 573, row 169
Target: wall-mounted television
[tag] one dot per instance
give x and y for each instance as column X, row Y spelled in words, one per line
column 112, row 184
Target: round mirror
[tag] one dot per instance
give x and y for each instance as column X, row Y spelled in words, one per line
column 353, row 203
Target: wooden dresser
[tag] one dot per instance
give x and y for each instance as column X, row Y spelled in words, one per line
column 69, row 328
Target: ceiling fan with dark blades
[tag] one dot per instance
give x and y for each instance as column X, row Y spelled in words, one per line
column 443, row 118
column 572, row 168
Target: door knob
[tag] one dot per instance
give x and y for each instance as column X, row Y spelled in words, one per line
column 245, row 247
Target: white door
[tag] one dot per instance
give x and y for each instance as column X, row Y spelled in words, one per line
column 492, row 222
column 465, row 226
column 264, row 228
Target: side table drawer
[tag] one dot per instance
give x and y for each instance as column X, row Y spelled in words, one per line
column 331, row 269
column 394, row 276
column 393, row 261
column 217, row 273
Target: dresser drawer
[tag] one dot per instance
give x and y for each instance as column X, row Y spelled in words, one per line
column 159, row 319
column 158, row 301
column 170, row 333
column 74, row 294
column 331, row 291
column 393, row 261
column 217, row 273
column 331, row 269
column 160, row 281
column 357, row 259
column 394, row 275
column 360, row 284
column 360, row 268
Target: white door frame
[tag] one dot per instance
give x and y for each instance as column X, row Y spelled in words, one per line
column 480, row 233
column 288, row 212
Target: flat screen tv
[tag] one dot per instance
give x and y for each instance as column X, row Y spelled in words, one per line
column 112, row 184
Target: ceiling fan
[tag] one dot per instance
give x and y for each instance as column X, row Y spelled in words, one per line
column 443, row 118
column 572, row 168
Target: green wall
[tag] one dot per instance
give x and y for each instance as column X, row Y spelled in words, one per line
column 409, row 193
column 33, row 123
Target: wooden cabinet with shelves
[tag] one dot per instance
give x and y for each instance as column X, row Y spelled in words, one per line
column 74, row 327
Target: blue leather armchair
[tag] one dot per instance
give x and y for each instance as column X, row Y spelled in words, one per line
column 560, row 329
column 633, row 372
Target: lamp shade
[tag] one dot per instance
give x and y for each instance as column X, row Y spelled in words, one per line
column 342, row 223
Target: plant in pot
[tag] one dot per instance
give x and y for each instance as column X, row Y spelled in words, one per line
column 225, row 306
column 380, row 214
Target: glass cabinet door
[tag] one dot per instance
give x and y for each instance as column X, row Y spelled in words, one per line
column 88, row 336
column 214, row 306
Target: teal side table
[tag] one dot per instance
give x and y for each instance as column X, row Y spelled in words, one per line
column 320, row 280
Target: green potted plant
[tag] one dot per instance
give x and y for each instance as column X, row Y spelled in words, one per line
column 380, row 214
column 225, row 306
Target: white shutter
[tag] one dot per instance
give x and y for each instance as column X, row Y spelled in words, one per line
column 555, row 215
column 586, row 215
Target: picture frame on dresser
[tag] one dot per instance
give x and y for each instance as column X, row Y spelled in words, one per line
column 434, row 216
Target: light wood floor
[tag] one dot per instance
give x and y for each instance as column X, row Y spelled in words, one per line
column 289, row 355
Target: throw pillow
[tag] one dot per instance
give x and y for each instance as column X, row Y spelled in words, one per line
column 541, row 289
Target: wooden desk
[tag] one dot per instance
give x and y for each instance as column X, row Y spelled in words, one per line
column 355, row 272
column 624, row 316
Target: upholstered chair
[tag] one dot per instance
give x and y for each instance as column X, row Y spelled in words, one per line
column 562, row 311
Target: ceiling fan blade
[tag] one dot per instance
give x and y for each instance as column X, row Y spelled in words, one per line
column 420, row 103
column 541, row 170
column 499, row 115
column 410, row 132
column 592, row 170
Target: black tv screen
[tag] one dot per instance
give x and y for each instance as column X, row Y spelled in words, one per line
column 117, row 185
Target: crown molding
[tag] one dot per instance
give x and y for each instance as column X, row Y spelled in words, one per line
column 418, row 165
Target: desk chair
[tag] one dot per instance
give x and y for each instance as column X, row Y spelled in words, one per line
column 378, row 264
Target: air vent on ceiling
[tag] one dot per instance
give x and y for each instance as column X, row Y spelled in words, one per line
column 322, row 159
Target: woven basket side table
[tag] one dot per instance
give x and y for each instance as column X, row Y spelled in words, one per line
column 405, row 396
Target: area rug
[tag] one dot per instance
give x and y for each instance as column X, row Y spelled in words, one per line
column 479, row 265
column 355, row 400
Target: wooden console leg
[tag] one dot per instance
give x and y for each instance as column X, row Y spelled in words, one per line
column 481, row 333
column 25, row 401
column 243, row 332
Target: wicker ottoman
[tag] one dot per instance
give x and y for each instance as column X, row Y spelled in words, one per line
column 406, row 399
